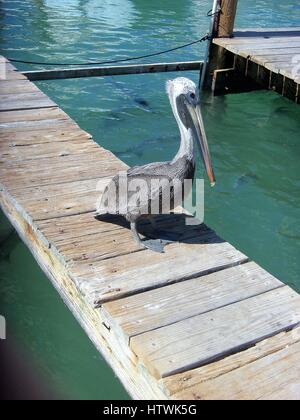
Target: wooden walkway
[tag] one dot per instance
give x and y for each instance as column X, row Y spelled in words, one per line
column 270, row 57
column 198, row 322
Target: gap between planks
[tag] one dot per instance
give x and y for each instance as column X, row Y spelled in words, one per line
column 202, row 383
column 132, row 274
column 167, row 305
column 207, row 338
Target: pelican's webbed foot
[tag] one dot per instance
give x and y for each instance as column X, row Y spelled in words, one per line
column 155, row 245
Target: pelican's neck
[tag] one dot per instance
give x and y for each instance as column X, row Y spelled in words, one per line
column 186, row 149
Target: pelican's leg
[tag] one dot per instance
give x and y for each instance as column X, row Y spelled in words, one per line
column 135, row 234
column 155, row 245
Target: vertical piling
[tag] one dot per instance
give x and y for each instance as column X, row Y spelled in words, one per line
column 223, row 26
column 226, row 18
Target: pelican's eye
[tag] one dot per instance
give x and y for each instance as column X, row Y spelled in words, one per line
column 192, row 98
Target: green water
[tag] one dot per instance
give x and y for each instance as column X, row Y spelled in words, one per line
column 254, row 140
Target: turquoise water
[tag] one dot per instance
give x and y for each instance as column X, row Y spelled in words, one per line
column 254, row 140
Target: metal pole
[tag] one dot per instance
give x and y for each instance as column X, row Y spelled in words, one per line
column 215, row 9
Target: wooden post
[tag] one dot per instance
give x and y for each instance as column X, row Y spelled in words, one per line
column 226, row 19
column 223, row 27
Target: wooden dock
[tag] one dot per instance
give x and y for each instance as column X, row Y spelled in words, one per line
column 198, row 322
column 253, row 58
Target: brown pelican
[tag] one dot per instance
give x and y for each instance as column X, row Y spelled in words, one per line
column 185, row 103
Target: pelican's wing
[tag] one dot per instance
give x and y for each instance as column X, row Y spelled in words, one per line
column 151, row 169
column 151, row 175
column 109, row 203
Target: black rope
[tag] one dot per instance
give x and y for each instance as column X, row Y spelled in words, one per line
column 205, row 38
column 211, row 14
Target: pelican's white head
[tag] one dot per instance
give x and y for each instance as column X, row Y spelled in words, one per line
column 181, row 86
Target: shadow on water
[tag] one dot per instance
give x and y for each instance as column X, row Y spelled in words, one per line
column 7, row 244
column 130, row 94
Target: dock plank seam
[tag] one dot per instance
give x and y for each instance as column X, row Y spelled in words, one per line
column 205, row 312
column 167, row 361
column 100, row 301
column 177, row 385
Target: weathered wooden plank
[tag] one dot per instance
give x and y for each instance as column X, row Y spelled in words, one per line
column 217, row 334
column 48, row 191
column 105, row 243
column 276, row 67
column 271, row 51
column 273, row 61
column 276, row 376
column 61, row 133
column 27, row 96
column 287, row 70
column 61, row 200
column 8, row 73
column 79, row 172
column 277, row 41
column 11, row 105
column 72, row 227
column 98, row 246
column 60, row 170
column 98, row 156
column 33, row 116
column 188, row 385
column 283, row 64
column 42, row 151
column 89, row 153
column 17, row 86
column 96, row 71
column 63, row 205
column 160, row 307
column 248, row 50
column 134, row 273
column 293, row 30
column 8, row 131
column 288, row 58
column 24, row 101
column 261, row 49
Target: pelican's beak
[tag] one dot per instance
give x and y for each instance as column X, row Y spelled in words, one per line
column 196, row 115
